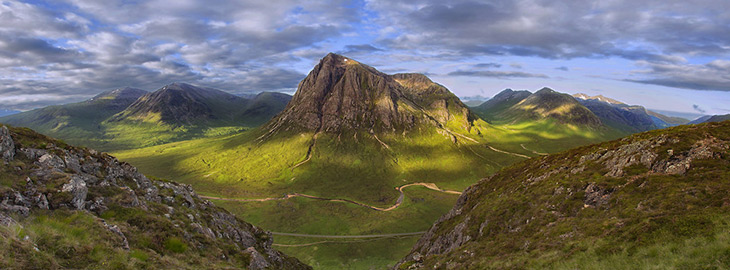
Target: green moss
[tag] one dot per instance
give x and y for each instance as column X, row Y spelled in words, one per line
column 175, row 245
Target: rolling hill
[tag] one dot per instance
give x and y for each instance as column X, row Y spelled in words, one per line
column 657, row 199
column 130, row 118
column 65, row 207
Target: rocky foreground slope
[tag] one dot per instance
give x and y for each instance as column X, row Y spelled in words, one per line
column 659, row 200
column 68, row 207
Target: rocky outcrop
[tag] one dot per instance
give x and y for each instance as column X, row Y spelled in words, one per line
column 7, row 146
column 64, row 177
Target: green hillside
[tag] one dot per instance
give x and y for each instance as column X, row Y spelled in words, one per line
column 654, row 200
column 354, row 134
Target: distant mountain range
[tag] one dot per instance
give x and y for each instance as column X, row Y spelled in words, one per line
column 129, row 117
column 580, row 109
column 711, row 118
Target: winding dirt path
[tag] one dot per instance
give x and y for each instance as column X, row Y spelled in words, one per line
column 398, row 202
column 348, row 236
column 370, row 238
column 533, row 151
column 508, row 153
column 309, row 151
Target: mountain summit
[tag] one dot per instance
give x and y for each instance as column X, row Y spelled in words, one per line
column 181, row 103
column 341, row 93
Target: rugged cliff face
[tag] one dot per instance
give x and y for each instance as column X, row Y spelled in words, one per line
column 343, row 94
column 78, row 208
column 642, row 199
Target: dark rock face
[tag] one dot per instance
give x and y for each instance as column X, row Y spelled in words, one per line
column 343, row 94
column 85, row 180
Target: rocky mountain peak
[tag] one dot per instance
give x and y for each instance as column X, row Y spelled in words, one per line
column 341, row 93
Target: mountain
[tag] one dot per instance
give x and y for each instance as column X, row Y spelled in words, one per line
column 701, row 119
column 657, row 199
column 630, row 119
column 501, row 101
column 179, row 104
column 547, row 103
column 65, row 207
column 710, row 118
column 670, row 120
column 683, row 115
column 624, row 117
column 80, row 121
column 264, row 106
column 129, row 118
column 341, row 94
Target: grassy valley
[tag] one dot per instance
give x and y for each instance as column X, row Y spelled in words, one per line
column 451, row 148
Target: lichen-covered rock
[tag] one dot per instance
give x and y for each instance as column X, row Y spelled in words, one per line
column 77, row 187
column 7, row 147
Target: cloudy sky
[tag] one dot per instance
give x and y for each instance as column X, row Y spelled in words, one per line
column 663, row 54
